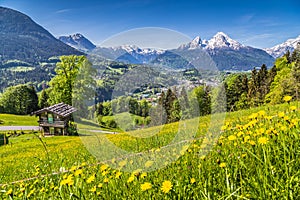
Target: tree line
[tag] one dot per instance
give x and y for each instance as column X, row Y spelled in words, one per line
column 74, row 85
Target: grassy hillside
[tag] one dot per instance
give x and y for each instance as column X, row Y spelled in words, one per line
column 18, row 120
column 255, row 157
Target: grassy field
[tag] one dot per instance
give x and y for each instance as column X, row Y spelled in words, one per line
column 256, row 156
column 17, row 120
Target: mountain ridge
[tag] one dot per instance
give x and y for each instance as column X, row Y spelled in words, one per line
column 23, row 39
column 280, row 49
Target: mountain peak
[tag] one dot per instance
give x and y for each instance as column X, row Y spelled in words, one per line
column 194, row 44
column 221, row 40
column 78, row 41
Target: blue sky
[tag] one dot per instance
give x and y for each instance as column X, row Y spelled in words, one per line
column 257, row 23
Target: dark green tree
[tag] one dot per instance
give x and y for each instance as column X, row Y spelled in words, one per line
column 43, row 99
column 20, row 99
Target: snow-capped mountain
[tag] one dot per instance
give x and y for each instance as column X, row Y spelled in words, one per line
column 220, row 40
column 227, row 53
column 280, row 49
column 194, row 44
column 78, row 41
column 128, row 53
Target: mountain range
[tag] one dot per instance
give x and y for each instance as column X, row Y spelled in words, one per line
column 227, row 53
column 24, row 40
column 280, row 49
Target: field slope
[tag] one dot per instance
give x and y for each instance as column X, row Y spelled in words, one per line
column 256, row 156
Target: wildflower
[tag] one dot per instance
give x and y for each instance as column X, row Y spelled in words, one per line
column 68, row 181
column 193, row 180
column 231, row 137
column 93, row 189
column 9, row 192
column 143, row 175
column 166, row 186
column 91, row 179
column 100, row 185
column 222, row 165
column 146, row 186
column 103, row 167
column 118, row 174
column 104, row 173
column 293, row 108
column 240, row 133
column 130, row 179
column 263, row 140
column 251, row 142
column 78, row 172
column 281, row 114
column 262, row 113
column 105, row 180
column 73, row 168
column 31, row 192
column 136, row 172
column 287, row 98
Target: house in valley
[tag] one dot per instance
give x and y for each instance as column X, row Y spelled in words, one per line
column 54, row 120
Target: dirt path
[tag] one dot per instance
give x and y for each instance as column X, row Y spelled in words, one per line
column 19, row 128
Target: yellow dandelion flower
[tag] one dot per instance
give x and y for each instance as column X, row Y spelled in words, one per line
column 146, row 186
column 78, row 172
column 166, row 186
column 118, row 174
column 263, row 140
column 91, row 179
column 193, row 180
column 281, row 114
column 143, row 175
column 130, row 179
column 105, row 180
column 286, row 118
column 100, row 185
column 103, row 167
column 222, row 165
column 287, row 98
column 232, row 137
column 251, row 142
column 104, row 173
column 293, row 108
column 73, row 168
column 9, row 192
column 240, row 133
column 93, row 189
column 261, row 113
column 136, row 172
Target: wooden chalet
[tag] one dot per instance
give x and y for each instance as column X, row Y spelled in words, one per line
column 54, row 120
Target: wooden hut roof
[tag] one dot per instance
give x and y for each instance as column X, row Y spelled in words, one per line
column 61, row 109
